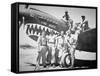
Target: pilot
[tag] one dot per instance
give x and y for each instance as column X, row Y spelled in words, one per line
column 69, row 21
column 51, row 51
column 60, row 45
column 84, row 23
column 73, row 43
column 42, row 49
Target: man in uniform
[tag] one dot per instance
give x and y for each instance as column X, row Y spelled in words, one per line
column 42, row 49
column 60, row 46
column 72, row 41
column 51, row 51
column 84, row 24
column 69, row 21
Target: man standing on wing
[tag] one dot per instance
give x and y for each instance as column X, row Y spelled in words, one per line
column 69, row 21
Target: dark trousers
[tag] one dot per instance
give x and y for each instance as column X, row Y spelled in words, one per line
column 49, row 55
column 56, row 56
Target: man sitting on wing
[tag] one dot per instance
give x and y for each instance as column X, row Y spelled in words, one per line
column 84, row 23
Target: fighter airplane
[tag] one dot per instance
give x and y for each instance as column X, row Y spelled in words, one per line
column 32, row 21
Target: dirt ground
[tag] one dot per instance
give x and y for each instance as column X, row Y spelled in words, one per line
column 27, row 59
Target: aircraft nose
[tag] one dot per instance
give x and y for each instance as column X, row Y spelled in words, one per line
column 36, row 29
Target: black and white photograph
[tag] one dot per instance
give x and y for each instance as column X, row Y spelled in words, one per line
column 56, row 37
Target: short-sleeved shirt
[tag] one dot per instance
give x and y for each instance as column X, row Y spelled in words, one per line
column 51, row 39
column 61, row 40
column 42, row 41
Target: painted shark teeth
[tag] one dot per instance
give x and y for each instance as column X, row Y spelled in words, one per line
column 38, row 26
column 31, row 33
column 35, row 29
column 45, row 28
column 34, row 25
column 49, row 29
column 35, row 33
column 42, row 27
column 38, row 34
column 30, row 25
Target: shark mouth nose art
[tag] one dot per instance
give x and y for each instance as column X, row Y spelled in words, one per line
column 36, row 29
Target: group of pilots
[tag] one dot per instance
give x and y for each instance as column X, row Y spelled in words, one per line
column 51, row 49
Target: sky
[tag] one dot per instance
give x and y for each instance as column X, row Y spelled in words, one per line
column 75, row 13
